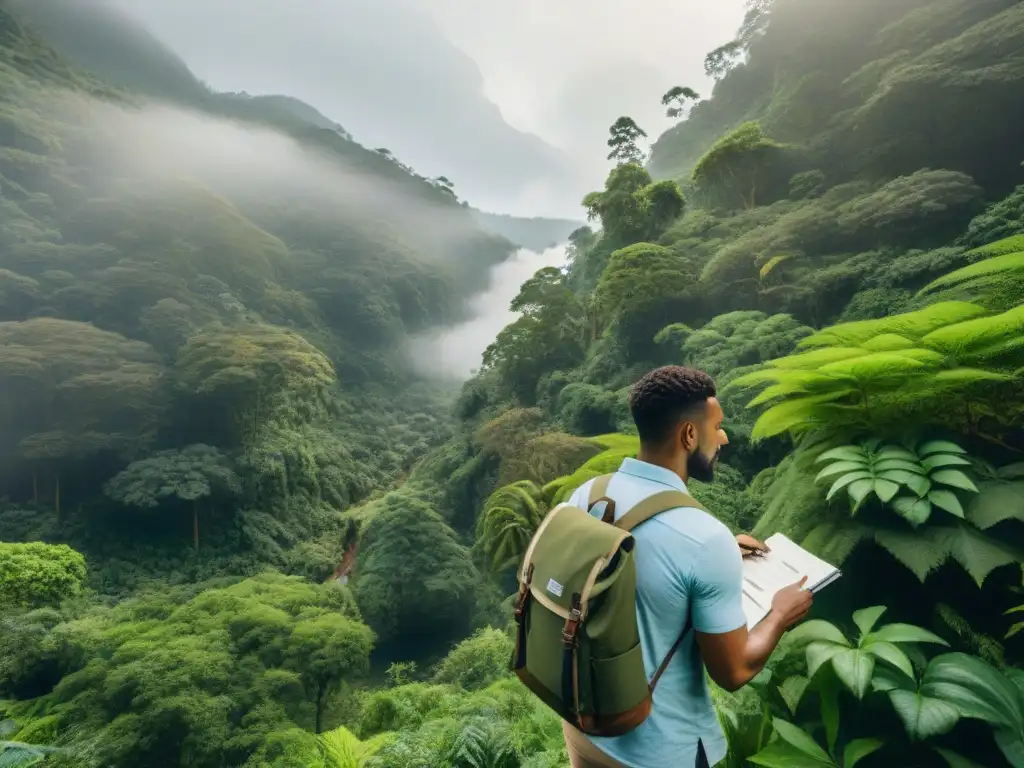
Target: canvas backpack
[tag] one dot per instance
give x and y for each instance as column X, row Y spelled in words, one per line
column 577, row 643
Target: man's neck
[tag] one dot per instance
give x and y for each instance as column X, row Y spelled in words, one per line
column 671, row 463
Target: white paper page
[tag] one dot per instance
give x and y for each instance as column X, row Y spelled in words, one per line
column 786, row 564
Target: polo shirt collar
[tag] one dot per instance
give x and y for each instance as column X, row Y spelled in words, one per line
column 652, row 472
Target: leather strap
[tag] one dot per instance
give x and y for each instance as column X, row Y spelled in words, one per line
column 671, row 653
column 650, row 507
column 598, row 489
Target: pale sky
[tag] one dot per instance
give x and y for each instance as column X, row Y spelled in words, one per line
column 511, row 99
column 553, row 67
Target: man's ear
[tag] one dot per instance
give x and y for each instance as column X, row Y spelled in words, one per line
column 688, row 436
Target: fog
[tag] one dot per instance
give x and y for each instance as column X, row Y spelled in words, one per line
column 512, row 101
column 163, row 147
column 455, row 353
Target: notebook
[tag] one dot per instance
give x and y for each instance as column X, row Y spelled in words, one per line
column 785, row 564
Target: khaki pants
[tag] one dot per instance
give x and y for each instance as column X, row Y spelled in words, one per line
column 583, row 753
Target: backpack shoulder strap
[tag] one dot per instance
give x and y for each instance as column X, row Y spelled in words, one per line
column 598, row 493
column 650, row 507
column 654, row 505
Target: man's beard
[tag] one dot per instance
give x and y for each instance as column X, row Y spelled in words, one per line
column 700, row 468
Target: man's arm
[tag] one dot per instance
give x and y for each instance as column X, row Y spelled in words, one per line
column 732, row 654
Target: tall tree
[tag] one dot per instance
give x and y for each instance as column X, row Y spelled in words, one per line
column 677, row 100
column 252, row 373
column 185, row 477
column 414, row 578
column 738, row 168
column 624, row 135
column 70, row 390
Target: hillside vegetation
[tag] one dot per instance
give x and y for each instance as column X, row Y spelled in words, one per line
column 208, row 405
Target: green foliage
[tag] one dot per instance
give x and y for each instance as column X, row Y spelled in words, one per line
column 476, row 662
column 643, row 286
column 624, row 135
column 950, row 363
column 678, row 96
column 37, row 574
column 507, row 523
column 189, row 475
column 997, row 281
column 632, row 208
column 343, row 749
column 203, row 677
column 251, row 370
column 910, row 481
column 549, row 334
column 414, row 576
column 739, row 170
column 1001, row 220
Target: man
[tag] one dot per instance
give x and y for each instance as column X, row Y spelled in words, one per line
column 689, row 566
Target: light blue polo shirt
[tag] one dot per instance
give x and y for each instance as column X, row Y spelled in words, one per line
column 686, row 561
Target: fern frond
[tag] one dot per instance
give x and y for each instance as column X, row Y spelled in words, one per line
column 801, row 415
column 913, row 325
column 959, row 340
column 995, row 502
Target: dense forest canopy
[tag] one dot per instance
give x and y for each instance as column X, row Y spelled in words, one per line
column 236, row 529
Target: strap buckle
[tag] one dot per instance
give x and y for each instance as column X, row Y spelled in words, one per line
column 524, row 594
column 572, row 624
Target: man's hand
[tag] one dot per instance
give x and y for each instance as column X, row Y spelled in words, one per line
column 751, row 547
column 791, row 604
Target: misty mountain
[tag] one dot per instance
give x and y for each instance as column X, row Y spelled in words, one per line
column 535, row 233
column 399, row 86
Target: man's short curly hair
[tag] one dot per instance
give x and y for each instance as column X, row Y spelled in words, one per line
column 664, row 396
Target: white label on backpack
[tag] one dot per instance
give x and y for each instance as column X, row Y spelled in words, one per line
column 555, row 588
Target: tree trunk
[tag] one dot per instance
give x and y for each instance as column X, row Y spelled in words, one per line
column 56, row 494
column 195, row 525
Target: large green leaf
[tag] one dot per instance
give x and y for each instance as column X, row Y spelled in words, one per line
column 792, row 691
column 914, row 511
column 890, row 653
column 840, row 467
column 915, row 550
column 886, row 489
column 858, row 749
column 919, row 484
column 859, row 490
column 816, row 630
column 820, row 653
column 866, row 618
column 943, row 460
column 939, row 446
column 855, row 668
column 844, row 453
column 955, row 478
column 844, row 481
column 800, row 739
column 977, row 689
column 946, row 500
column 923, row 716
column 780, row 754
column 996, row 501
column 906, row 465
column 895, row 452
column 903, row 633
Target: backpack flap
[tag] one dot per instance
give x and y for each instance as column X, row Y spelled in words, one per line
column 569, row 556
